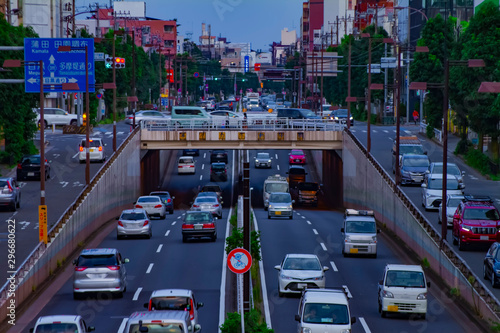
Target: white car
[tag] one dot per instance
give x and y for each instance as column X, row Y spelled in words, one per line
column 153, row 205
column 96, row 153
column 300, row 271
column 57, row 117
column 280, row 204
column 452, row 202
column 61, row 323
column 263, row 160
column 432, row 189
column 222, row 118
column 186, row 164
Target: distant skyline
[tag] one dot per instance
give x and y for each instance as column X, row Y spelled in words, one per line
column 256, row 21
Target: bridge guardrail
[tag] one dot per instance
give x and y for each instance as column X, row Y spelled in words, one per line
column 461, row 265
column 250, row 124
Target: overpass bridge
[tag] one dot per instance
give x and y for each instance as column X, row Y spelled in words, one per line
column 254, row 133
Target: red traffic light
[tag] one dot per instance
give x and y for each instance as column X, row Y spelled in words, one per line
column 120, row 60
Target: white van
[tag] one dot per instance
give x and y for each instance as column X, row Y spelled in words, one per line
column 324, row 311
column 403, row 289
column 190, row 116
column 359, row 233
column 272, row 184
column 161, row 322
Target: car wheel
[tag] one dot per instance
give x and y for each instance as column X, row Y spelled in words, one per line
column 19, row 202
column 13, row 207
column 280, row 294
column 268, row 216
column 214, row 238
column 184, row 239
column 383, row 314
column 493, row 280
column 379, row 307
column 374, row 256
column 171, row 211
column 118, row 294
column 163, row 216
column 291, row 217
column 77, row 296
column 423, row 316
column 485, row 275
column 265, row 208
column 73, row 122
column 150, row 235
column 461, row 245
column 118, row 237
column 45, row 123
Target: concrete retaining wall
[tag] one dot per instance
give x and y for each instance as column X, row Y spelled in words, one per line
column 368, row 186
column 113, row 189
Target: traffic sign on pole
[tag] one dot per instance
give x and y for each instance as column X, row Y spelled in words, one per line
column 239, row 261
column 58, row 67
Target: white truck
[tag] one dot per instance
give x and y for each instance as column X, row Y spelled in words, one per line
column 272, row 184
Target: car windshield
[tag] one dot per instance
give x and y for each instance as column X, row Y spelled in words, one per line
column 409, row 279
column 416, row 149
column 308, row 187
column 163, row 327
column 149, row 199
column 276, row 187
column 206, row 200
column 97, row 260
column 211, row 189
column 133, row 216
column 481, row 214
column 302, row 264
column 92, row 143
column 56, row 327
column 170, row 303
column 324, row 313
column 452, row 169
column 363, row 227
column 186, row 160
column 31, row 160
column 416, row 162
column 454, row 202
column 297, row 152
column 280, row 198
column 197, row 218
column 263, row 156
column 437, row 184
column 307, row 113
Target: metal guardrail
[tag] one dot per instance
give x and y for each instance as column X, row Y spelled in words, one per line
column 461, row 265
column 251, row 124
column 437, row 133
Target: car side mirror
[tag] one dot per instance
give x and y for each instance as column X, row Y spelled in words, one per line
column 143, row 329
column 133, row 203
column 353, row 320
column 90, row 328
column 146, row 305
column 428, row 284
column 342, row 229
column 379, row 231
column 117, row 218
column 287, row 173
column 75, row 262
column 423, row 185
column 381, row 282
column 197, row 328
column 297, row 318
column 463, row 173
column 461, row 186
column 126, row 260
column 173, row 198
column 425, row 153
column 199, row 304
column 293, row 201
column 277, row 267
column 325, row 268
column 427, row 172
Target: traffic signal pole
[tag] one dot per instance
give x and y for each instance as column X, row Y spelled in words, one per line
column 114, row 93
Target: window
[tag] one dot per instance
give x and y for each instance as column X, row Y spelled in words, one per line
column 149, row 199
column 146, row 30
column 133, row 216
column 405, row 279
column 168, row 28
column 97, row 260
column 365, row 227
column 333, row 314
column 168, row 43
column 481, row 214
column 277, row 187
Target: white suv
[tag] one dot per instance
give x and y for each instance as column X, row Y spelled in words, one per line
column 61, row 323
column 432, row 189
column 359, row 233
column 96, row 153
column 56, row 116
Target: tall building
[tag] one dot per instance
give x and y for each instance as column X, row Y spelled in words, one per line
column 338, row 20
column 311, row 24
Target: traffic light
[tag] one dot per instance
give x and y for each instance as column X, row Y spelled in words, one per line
column 216, row 78
column 170, row 75
column 262, row 85
column 256, row 67
column 119, row 63
column 84, row 119
column 108, row 61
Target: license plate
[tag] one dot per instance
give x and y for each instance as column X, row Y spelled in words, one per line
column 353, row 251
column 277, row 213
column 198, row 226
column 392, row 308
column 96, row 276
column 484, row 237
column 31, row 174
column 92, row 150
column 297, row 160
column 301, row 285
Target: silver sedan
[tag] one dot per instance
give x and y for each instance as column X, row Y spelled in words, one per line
column 211, row 204
column 263, row 160
column 133, row 222
column 280, row 205
column 145, row 115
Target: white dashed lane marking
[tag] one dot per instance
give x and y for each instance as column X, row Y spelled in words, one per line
column 159, row 248
column 203, row 167
column 149, row 268
column 122, row 325
column 166, row 234
column 364, row 324
column 173, row 223
column 349, row 295
column 323, row 246
column 137, row 293
column 334, row 267
column 315, row 231
column 308, row 222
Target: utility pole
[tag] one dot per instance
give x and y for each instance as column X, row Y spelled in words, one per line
column 397, row 111
column 114, row 92
column 337, row 30
column 408, row 75
column 349, row 86
column 368, row 145
column 134, row 103
column 321, row 101
column 246, row 229
column 385, row 81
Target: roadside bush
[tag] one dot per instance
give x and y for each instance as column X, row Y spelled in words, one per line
column 463, row 147
column 478, row 160
column 429, row 131
column 236, row 240
column 253, row 323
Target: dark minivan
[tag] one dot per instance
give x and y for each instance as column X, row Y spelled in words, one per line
column 296, row 174
column 218, row 172
column 218, row 156
column 301, row 117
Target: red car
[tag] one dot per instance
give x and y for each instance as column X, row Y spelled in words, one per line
column 476, row 221
column 297, row 156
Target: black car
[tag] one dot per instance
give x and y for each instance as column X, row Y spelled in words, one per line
column 218, row 172
column 190, row 152
column 198, row 224
column 168, row 200
column 30, row 167
column 218, row 156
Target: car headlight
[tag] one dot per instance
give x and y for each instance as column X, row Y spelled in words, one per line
column 374, row 239
column 466, row 227
column 270, row 206
column 318, row 278
column 286, row 277
column 306, row 330
column 347, row 238
column 268, row 161
column 336, row 118
column 290, row 206
column 422, row 296
column 427, row 194
column 387, row 294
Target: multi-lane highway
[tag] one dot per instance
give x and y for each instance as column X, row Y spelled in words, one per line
column 165, row 262
column 67, row 179
column 382, row 137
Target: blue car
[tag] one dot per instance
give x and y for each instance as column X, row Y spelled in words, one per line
column 190, row 152
column 491, row 265
column 413, row 168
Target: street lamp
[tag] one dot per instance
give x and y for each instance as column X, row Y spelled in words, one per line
column 472, row 63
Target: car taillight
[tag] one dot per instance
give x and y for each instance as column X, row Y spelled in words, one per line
column 209, row 225
column 225, row 171
column 169, row 200
column 19, row 166
column 191, row 166
column 56, row 322
column 158, row 206
column 210, row 170
column 145, row 223
column 191, row 310
column 187, row 226
column 216, row 205
column 80, row 269
column 138, row 206
column 120, row 223
column 114, row 268
column 81, row 148
column 100, row 148
column 156, row 321
column 10, row 187
column 196, row 205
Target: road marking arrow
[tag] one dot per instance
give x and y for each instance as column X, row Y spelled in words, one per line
column 25, row 224
column 63, row 184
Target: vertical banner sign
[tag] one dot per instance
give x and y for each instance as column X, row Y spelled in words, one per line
column 247, row 64
column 42, row 223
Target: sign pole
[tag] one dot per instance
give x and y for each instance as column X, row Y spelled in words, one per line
column 42, row 209
column 87, row 115
column 246, row 231
column 114, row 94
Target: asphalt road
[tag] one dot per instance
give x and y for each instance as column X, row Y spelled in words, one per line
column 475, row 183
column 67, row 180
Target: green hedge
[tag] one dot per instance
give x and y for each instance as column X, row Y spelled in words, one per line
column 252, row 323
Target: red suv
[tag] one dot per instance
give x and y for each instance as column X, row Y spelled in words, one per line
column 476, row 220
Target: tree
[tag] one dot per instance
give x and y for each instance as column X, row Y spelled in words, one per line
column 438, row 36
column 481, row 40
column 17, row 119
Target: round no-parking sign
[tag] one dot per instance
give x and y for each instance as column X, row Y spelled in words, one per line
column 239, row 261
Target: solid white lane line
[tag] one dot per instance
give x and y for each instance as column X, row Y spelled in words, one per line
column 323, row 246
column 159, row 248
column 202, row 166
column 166, row 234
column 276, row 156
column 349, row 295
column 201, row 177
column 309, row 222
column 122, row 325
column 278, row 167
column 315, row 231
column 136, row 295
column 173, row 223
column 248, row 155
column 335, row 269
column 149, row 268
column 364, row 324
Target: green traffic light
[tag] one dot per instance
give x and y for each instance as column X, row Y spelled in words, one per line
column 108, row 65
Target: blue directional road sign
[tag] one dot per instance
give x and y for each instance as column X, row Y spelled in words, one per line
column 247, row 64
column 58, row 67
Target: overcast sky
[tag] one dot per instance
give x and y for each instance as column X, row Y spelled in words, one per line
column 256, row 21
